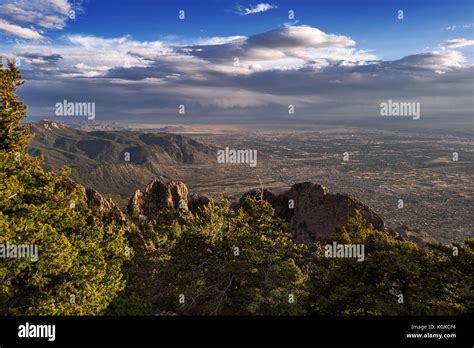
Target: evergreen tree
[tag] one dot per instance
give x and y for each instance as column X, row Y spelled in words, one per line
column 396, row 277
column 13, row 135
column 78, row 265
column 217, row 262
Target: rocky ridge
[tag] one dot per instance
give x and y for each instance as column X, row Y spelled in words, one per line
column 310, row 210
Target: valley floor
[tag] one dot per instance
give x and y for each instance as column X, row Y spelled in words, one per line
column 383, row 167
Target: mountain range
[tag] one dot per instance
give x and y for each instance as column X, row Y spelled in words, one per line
column 117, row 162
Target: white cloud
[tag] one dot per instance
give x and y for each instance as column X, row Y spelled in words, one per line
column 458, row 43
column 219, row 40
column 93, row 56
column 455, row 27
column 450, row 27
column 300, row 36
column 16, row 30
column 37, row 14
column 286, row 48
column 261, row 7
column 439, row 62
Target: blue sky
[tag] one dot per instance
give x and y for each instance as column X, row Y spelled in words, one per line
column 356, row 49
column 373, row 24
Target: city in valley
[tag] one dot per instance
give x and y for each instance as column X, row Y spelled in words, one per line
column 415, row 181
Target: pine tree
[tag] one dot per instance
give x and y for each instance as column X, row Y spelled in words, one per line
column 14, row 136
column 395, row 278
column 77, row 267
column 217, row 261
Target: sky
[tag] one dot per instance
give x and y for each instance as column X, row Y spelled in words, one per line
column 242, row 61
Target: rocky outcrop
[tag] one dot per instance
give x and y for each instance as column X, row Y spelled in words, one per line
column 104, row 208
column 157, row 196
column 312, row 212
column 317, row 213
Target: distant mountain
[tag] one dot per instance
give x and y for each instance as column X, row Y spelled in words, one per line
column 115, row 162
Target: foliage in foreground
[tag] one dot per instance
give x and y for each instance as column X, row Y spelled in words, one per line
column 217, row 261
column 191, row 257
column 78, row 266
column 396, row 277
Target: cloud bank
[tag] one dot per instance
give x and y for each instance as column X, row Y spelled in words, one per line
column 242, row 78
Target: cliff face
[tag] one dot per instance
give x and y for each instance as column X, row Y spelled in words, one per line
column 317, row 213
column 312, row 212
